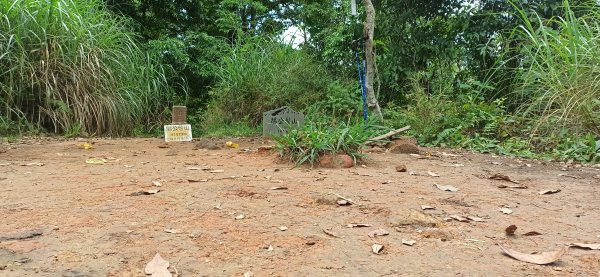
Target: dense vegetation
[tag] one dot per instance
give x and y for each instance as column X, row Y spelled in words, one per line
column 513, row 77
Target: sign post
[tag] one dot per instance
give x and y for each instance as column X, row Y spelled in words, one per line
column 178, row 130
column 279, row 121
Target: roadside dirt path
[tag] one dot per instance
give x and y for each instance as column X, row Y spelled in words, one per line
column 216, row 213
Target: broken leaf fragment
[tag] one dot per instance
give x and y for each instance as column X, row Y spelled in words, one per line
column 427, row 207
column 586, row 246
column 502, row 177
column 475, row 218
column 378, row 233
column 551, row 191
column 446, row 188
column 433, row 174
column 408, row 242
column 95, row 161
column 278, row 188
column 158, row 267
column 459, row 218
column 539, row 258
column 230, row 144
column 358, row 225
column 86, row 146
column 377, row 248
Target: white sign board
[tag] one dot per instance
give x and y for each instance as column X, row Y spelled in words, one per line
column 181, row 132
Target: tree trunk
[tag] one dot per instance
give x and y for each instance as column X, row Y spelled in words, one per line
column 369, row 32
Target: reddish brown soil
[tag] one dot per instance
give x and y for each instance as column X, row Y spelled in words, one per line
column 91, row 227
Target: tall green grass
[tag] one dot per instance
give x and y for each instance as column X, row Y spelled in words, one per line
column 558, row 81
column 261, row 74
column 72, row 66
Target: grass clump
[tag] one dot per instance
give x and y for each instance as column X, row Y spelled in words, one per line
column 557, row 77
column 71, row 66
column 314, row 139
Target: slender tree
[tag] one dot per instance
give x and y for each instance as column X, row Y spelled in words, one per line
column 369, row 32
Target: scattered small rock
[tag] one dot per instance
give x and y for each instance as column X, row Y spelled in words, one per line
column 401, row 168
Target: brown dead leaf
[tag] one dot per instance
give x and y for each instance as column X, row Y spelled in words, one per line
column 502, row 177
column 475, row 218
column 539, row 258
column 158, row 267
column 459, row 218
column 197, row 180
column 378, row 233
column 512, row 187
column 532, row 233
column 408, row 242
column 586, row 246
column 446, row 188
column 377, row 248
column 550, row 191
column 278, row 188
column 329, row 233
column 510, row 230
column 358, row 225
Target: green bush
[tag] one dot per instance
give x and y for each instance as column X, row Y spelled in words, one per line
column 260, row 75
column 71, row 66
column 309, row 142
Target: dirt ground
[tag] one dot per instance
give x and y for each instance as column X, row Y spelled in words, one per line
column 217, row 212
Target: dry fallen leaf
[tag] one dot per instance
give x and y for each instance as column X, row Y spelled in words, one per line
column 512, row 187
column 502, row 177
column 506, row 211
column 95, row 161
column 377, row 248
column 433, row 174
column 408, row 242
column 278, row 188
column 379, row 232
column 197, row 180
column 532, row 233
column 459, row 218
column 358, row 225
column 539, row 258
column 475, row 218
column 587, row 246
column 510, row 230
column 446, row 188
column 550, row 191
column 329, row 233
column 158, row 267
column 426, row 207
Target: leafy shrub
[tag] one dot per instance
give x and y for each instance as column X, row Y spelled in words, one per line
column 309, row 142
column 260, row 75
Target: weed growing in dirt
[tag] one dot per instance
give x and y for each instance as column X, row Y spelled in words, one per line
column 309, row 142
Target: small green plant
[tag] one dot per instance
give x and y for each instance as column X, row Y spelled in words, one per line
column 309, row 142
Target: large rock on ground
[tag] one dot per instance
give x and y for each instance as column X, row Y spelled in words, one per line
column 403, row 145
column 336, row 161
